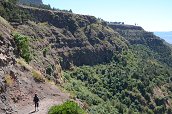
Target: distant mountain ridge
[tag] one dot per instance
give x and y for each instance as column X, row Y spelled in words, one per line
column 167, row 36
column 35, row 2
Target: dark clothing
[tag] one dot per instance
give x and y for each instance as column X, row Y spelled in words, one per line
column 36, row 104
column 36, row 100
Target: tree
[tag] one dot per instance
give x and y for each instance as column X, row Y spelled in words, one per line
column 13, row 1
column 23, row 46
column 70, row 11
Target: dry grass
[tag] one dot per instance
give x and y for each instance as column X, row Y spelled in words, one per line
column 5, row 23
column 8, row 80
column 43, row 24
column 37, row 76
column 24, row 64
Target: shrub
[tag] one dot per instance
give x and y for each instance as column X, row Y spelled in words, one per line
column 49, row 70
column 13, row 1
column 24, row 64
column 37, row 76
column 68, row 107
column 23, row 46
column 45, row 52
column 8, row 80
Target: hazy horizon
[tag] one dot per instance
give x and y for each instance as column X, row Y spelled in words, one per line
column 167, row 36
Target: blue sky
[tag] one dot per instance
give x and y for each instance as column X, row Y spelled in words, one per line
column 152, row 15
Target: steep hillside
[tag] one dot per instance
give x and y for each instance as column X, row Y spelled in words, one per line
column 138, row 80
column 136, row 35
column 19, row 81
column 111, row 69
column 79, row 36
column 78, row 39
column 47, row 41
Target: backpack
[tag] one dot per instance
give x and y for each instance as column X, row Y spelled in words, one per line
column 36, row 99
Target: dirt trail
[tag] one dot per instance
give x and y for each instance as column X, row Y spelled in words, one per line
column 48, row 93
column 44, row 105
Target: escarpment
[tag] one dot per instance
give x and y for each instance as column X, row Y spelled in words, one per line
column 54, row 41
column 77, row 39
column 137, row 35
column 111, row 68
column 20, row 80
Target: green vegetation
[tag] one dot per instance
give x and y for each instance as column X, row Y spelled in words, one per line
column 12, row 13
column 23, row 46
column 135, row 77
column 13, row 1
column 68, row 107
column 148, row 39
column 45, row 50
column 126, row 85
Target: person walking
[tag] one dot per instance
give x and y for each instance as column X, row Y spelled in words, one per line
column 36, row 101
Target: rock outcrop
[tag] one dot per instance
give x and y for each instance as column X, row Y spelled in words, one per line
column 59, row 40
column 137, row 35
column 77, row 39
column 17, row 78
column 56, row 40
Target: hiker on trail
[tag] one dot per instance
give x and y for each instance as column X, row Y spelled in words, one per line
column 36, row 101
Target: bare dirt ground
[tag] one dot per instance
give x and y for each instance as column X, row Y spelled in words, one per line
column 49, row 95
column 44, row 105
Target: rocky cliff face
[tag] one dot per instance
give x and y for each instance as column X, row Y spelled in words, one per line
column 6, row 60
column 19, row 81
column 6, row 43
column 137, row 35
column 134, row 34
column 58, row 40
column 77, row 39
